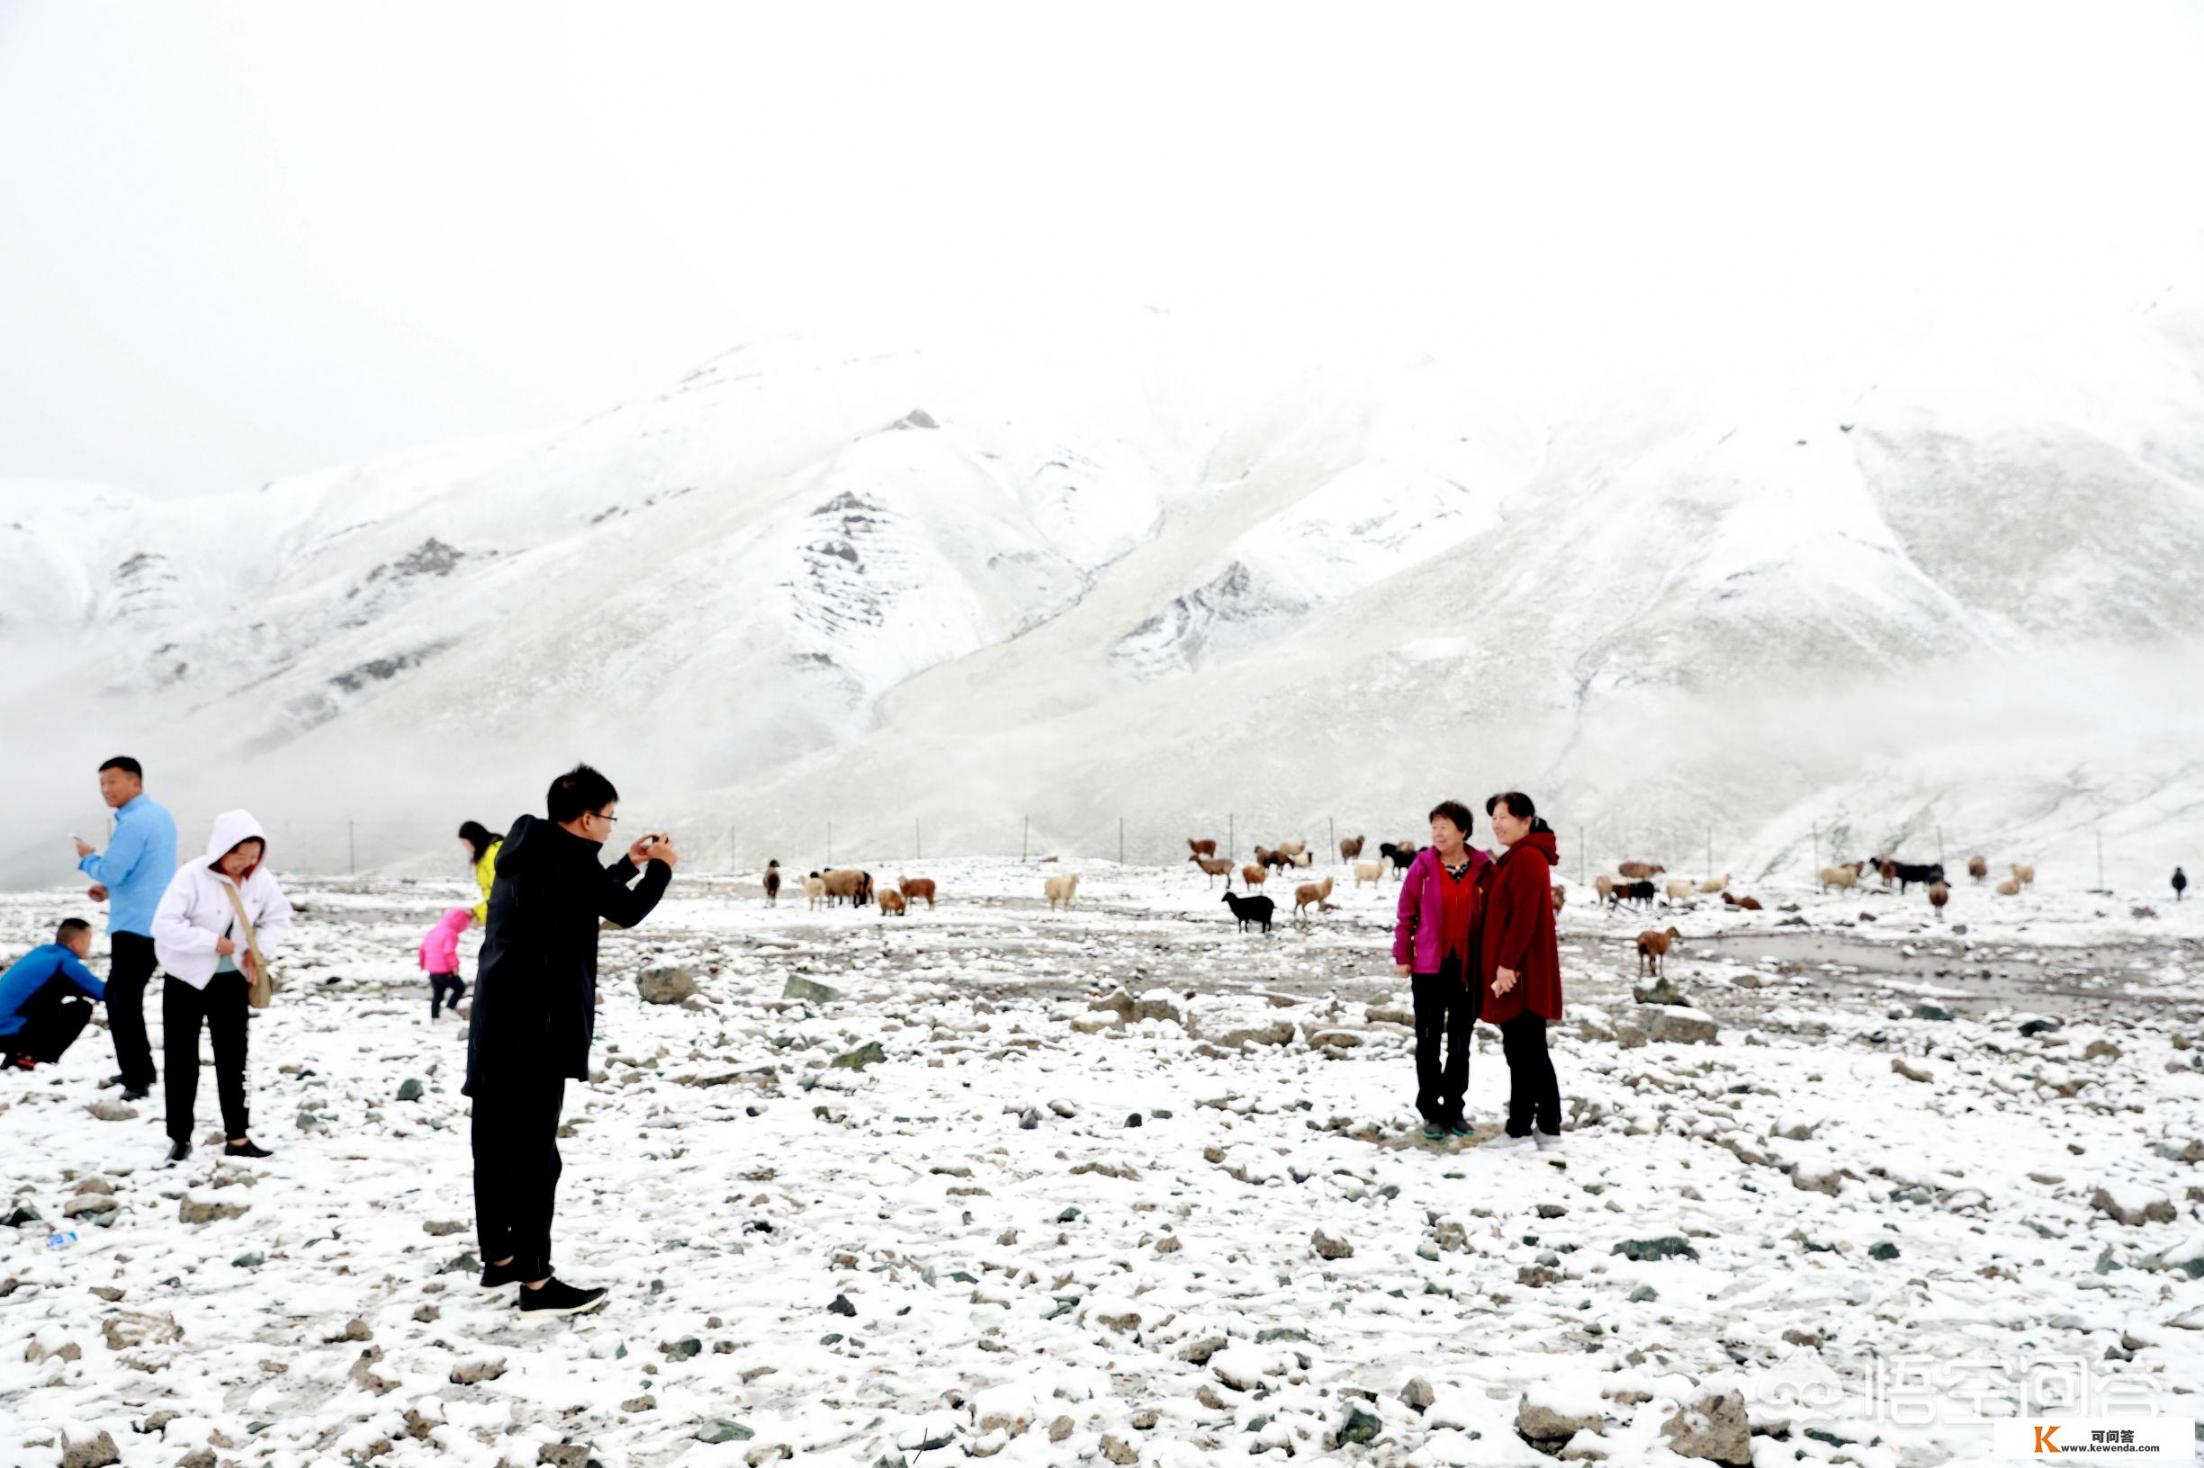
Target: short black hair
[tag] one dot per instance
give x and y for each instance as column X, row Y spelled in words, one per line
column 578, row 792
column 126, row 764
column 69, row 928
column 1456, row 812
column 477, row 836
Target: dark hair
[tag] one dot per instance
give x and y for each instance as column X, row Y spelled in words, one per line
column 477, row 836
column 578, row 792
column 126, row 764
column 1519, row 806
column 1456, row 812
column 69, row 928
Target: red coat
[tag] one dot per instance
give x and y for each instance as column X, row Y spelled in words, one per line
column 1518, row 932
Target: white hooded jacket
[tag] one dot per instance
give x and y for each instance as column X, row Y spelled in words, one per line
column 195, row 911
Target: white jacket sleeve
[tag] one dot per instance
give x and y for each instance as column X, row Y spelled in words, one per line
column 172, row 924
column 271, row 917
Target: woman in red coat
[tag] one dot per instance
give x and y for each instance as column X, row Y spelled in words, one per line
column 1520, row 962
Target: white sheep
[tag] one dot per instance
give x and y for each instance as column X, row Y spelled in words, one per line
column 1369, row 871
column 1061, row 889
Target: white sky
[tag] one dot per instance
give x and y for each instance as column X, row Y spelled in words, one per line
column 239, row 241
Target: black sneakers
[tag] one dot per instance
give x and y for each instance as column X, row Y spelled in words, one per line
column 177, row 1152
column 496, row 1277
column 559, row 1298
column 246, row 1148
column 133, row 1093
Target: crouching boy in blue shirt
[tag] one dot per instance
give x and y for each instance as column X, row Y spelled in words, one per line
column 43, row 1007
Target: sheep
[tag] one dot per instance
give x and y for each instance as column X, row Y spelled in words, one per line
column 1310, row 892
column 1939, row 894
column 1204, row 847
column 1293, row 848
column 1560, row 895
column 1350, row 848
column 1750, row 904
column 1840, row 878
column 1653, row 949
column 1268, row 857
column 815, row 889
column 1215, row 867
column 1640, row 869
column 1061, row 888
column 2025, row 875
column 1304, row 858
column 854, row 885
column 1978, row 867
column 1251, row 910
column 2010, row 887
column 1640, row 892
column 1681, row 889
column 914, row 888
column 772, row 883
column 893, row 904
column 1887, row 868
column 1399, row 853
column 1253, row 876
column 1604, row 885
column 1369, row 871
column 1715, row 884
column 1909, row 873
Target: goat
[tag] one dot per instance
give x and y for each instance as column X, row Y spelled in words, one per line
column 1369, row 871
column 1715, row 884
column 854, row 885
column 1061, row 888
column 1681, row 889
column 772, row 883
column 1350, row 848
column 1910, row 872
column 892, row 903
column 1207, row 847
column 1653, row 949
column 1310, row 892
column 1641, row 892
column 1640, row 869
column 914, row 888
column 2025, row 875
column 1939, row 894
column 1978, row 866
column 1399, row 853
column 1251, row 910
column 1215, row 866
column 1253, row 876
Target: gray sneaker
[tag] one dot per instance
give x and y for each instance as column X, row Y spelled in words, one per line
column 1548, row 1141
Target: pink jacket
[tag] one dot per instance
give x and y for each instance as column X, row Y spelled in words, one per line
column 440, row 949
column 1416, row 926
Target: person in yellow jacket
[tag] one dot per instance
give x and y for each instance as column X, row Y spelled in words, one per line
column 482, row 851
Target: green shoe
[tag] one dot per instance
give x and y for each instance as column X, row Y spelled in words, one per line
column 1433, row 1132
column 1463, row 1129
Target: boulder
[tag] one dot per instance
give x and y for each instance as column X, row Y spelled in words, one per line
column 1676, row 1025
column 1711, row 1426
column 667, row 984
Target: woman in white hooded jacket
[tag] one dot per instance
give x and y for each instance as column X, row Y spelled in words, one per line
column 207, row 967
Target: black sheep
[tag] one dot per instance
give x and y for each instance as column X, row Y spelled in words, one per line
column 1251, row 910
column 2180, row 883
column 1909, row 872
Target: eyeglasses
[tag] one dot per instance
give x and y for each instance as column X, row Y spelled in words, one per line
column 598, row 815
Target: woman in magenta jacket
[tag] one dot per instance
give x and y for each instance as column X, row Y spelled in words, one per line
column 1434, row 947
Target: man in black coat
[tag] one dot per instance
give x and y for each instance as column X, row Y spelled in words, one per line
column 535, row 1012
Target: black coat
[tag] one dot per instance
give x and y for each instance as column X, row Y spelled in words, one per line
column 535, row 998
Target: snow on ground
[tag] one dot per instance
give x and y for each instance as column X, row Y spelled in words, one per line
column 1190, row 1225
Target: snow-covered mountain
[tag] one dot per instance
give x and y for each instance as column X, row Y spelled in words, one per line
column 1149, row 575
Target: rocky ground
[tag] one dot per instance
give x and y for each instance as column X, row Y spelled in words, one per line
column 1123, row 1184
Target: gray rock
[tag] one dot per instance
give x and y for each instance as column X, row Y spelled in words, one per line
column 1417, row 1395
column 1542, row 1424
column 471, row 1373
column 1361, row 1426
column 409, row 1089
column 1327, row 1247
column 88, row 1205
column 1931, row 1011
column 1885, row 1250
column 1661, row 991
column 1911, row 1072
column 723, row 1430
column 810, row 992
column 665, row 985
column 130, row 1328
column 113, row 1111
column 191, row 1210
column 1712, row 1426
column 1679, row 1026
column 2155, row 1210
column 91, row 1452
column 869, row 1053
column 1668, row 1246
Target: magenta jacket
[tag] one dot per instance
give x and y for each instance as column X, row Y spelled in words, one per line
column 440, row 949
column 1416, row 929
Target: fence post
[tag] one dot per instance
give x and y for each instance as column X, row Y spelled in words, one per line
column 1710, row 853
column 352, row 850
column 918, row 843
column 1121, row 841
column 1024, row 834
column 1331, row 824
column 1231, row 839
column 830, row 843
column 2100, row 858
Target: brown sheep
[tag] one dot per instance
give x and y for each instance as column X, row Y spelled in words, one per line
column 1653, row 949
column 892, row 903
column 1560, row 895
column 1350, row 848
column 1750, row 904
column 1939, row 894
column 1310, row 893
column 1201, row 848
column 2025, row 875
column 1253, row 876
column 855, row 886
column 913, row 888
column 1978, row 866
column 1215, row 866
column 1638, row 871
column 772, row 883
column 2010, row 887
column 1887, row 869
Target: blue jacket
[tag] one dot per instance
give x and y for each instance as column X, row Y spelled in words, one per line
column 136, row 866
column 32, row 972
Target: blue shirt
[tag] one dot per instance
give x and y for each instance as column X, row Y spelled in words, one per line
column 32, row 972
column 136, row 866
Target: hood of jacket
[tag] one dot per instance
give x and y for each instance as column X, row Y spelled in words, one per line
column 1541, row 842
column 455, row 922
column 535, row 840
column 230, row 828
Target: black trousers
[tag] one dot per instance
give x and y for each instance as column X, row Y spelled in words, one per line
column 1534, row 1095
column 222, row 1007
column 52, row 1020
column 1445, row 1011
column 445, row 989
column 516, row 1168
column 130, row 966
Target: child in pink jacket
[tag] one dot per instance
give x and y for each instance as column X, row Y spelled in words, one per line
column 440, row 957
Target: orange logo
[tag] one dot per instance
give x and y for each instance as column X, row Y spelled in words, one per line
column 2043, row 1439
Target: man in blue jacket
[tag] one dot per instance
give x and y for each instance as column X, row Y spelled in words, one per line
column 39, row 1017
column 130, row 877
